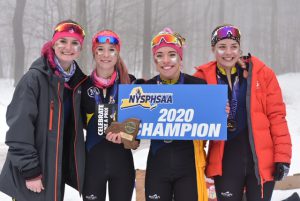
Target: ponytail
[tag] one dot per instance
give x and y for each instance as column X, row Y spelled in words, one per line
column 48, row 53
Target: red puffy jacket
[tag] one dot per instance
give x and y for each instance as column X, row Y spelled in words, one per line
column 268, row 131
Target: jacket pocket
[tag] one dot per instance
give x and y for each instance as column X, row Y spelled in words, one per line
column 51, row 115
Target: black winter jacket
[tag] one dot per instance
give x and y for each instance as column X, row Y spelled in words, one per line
column 35, row 137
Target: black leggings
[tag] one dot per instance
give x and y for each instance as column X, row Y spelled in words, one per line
column 239, row 175
column 230, row 189
column 109, row 163
column 171, row 175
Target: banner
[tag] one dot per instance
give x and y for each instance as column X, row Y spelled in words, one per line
column 176, row 112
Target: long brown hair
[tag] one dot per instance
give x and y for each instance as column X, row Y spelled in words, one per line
column 121, row 67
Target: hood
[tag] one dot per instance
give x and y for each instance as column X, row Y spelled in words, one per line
column 41, row 64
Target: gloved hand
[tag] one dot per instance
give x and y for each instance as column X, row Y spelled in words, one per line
column 139, row 81
column 281, row 171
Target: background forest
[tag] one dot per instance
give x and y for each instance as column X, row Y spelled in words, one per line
column 269, row 29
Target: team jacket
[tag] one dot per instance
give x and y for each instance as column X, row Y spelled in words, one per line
column 198, row 146
column 268, row 131
column 35, row 137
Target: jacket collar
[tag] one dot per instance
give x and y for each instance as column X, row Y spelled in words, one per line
column 209, row 71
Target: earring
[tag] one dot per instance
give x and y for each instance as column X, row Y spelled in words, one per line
column 241, row 52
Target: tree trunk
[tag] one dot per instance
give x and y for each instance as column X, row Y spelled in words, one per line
column 18, row 40
column 221, row 12
column 136, row 58
column 206, row 29
column 274, row 38
column 103, row 10
column 82, row 20
column 1, row 65
column 112, row 16
column 60, row 10
column 147, row 38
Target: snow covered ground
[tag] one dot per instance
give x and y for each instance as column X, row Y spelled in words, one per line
column 290, row 84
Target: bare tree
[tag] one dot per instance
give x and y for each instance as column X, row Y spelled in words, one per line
column 147, row 38
column 18, row 39
column 60, row 10
column 206, row 29
column 136, row 21
column 274, row 36
column 82, row 19
column 136, row 42
column 221, row 11
column 1, row 64
column 104, row 13
column 113, row 14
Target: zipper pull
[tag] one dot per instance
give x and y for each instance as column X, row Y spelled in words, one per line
column 51, row 115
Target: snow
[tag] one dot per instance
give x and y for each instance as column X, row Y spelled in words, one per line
column 290, row 85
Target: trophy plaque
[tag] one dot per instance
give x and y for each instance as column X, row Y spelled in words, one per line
column 128, row 130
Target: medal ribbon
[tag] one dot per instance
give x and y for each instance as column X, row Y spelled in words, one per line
column 233, row 95
column 112, row 97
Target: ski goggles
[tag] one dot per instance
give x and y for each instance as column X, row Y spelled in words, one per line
column 71, row 28
column 107, row 39
column 224, row 32
column 168, row 38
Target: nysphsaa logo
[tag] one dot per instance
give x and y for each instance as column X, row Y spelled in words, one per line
column 150, row 101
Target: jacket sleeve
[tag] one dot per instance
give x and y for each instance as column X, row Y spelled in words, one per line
column 21, row 117
column 276, row 113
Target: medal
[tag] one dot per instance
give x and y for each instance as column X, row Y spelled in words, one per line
column 231, row 125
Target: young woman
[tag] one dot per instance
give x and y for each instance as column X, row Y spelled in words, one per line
column 258, row 149
column 175, row 169
column 45, row 138
column 107, row 160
